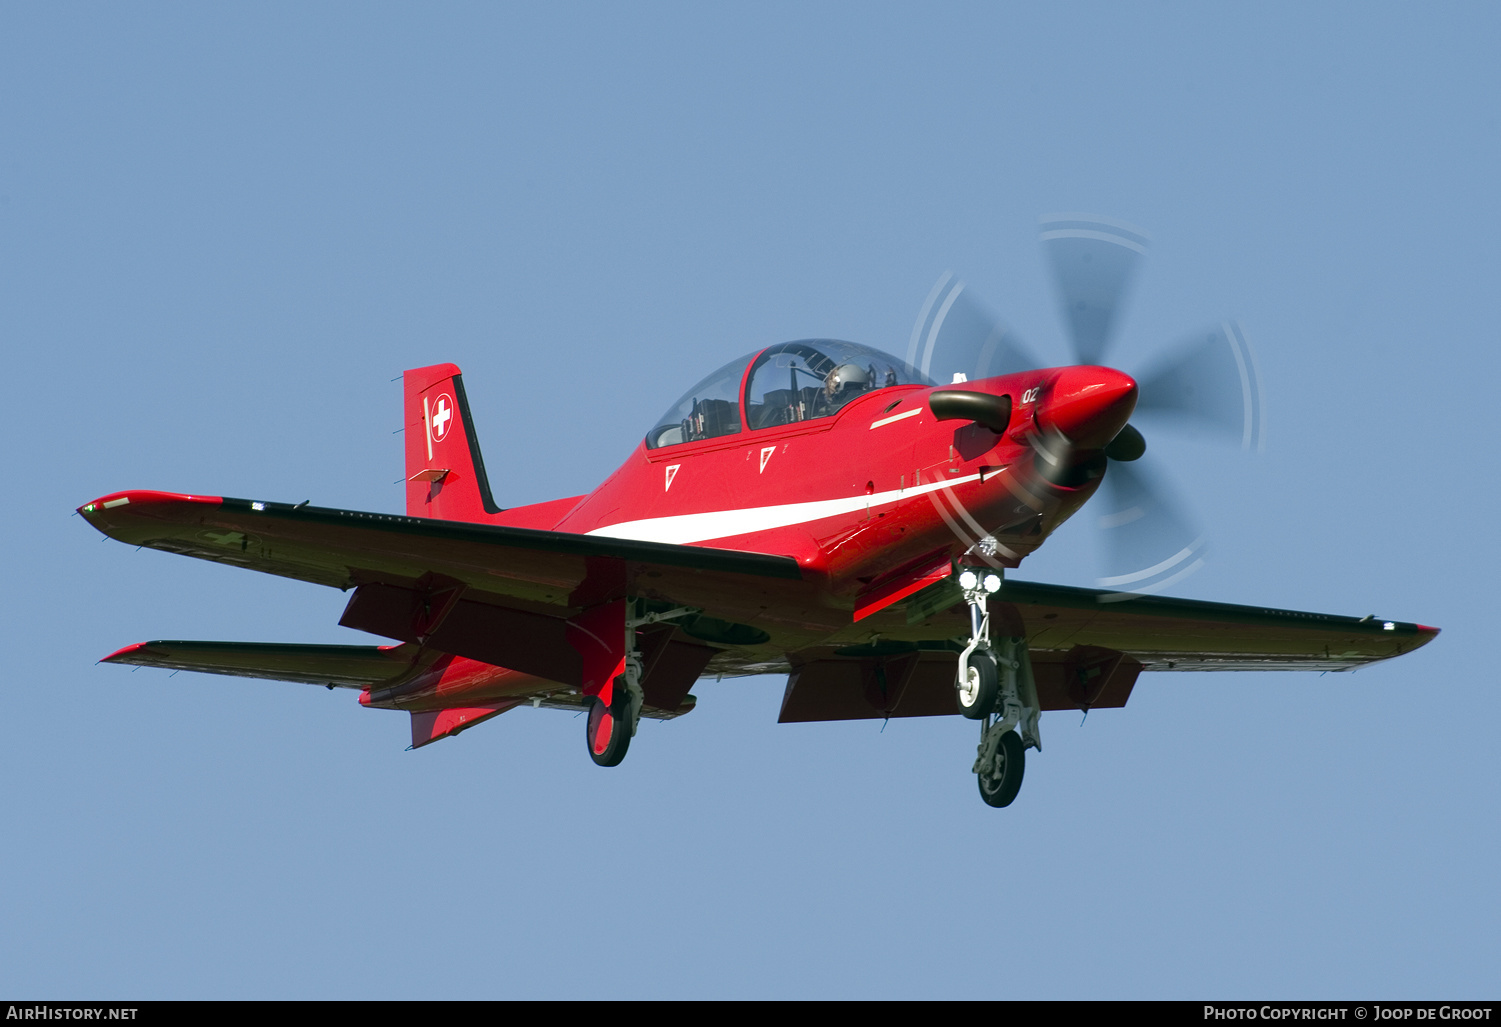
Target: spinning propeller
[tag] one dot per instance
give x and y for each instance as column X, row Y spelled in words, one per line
column 1208, row 384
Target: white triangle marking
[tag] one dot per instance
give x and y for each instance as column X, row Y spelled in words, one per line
column 672, row 472
column 765, row 456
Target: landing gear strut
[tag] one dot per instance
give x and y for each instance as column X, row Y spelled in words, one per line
column 995, row 686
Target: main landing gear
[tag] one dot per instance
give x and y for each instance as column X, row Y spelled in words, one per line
column 995, row 686
column 605, row 638
column 614, row 715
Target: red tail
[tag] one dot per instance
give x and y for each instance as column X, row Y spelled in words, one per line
column 445, row 473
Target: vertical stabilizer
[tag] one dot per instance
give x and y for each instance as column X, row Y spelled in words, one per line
column 445, row 472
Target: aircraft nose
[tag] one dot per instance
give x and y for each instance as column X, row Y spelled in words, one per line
column 1089, row 405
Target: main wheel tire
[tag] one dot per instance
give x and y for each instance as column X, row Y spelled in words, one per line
column 976, row 693
column 1000, row 781
column 608, row 731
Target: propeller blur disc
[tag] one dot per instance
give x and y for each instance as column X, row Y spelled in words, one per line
column 956, row 334
column 1210, row 381
column 1150, row 543
column 1093, row 261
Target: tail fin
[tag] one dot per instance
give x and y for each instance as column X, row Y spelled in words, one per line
column 445, row 473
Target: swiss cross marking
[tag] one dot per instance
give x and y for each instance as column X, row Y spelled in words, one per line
column 442, row 417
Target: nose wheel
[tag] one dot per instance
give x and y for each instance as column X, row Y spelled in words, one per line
column 978, row 686
column 994, row 685
column 1002, row 761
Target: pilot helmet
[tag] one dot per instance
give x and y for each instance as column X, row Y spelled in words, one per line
column 847, row 376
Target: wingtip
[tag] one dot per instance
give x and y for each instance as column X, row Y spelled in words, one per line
column 141, row 497
column 119, row 655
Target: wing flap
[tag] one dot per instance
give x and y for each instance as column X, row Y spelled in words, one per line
column 430, row 725
column 921, row 684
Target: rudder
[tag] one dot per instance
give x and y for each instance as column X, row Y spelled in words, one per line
column 445, row 473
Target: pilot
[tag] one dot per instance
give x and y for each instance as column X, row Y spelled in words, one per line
column 844, row 383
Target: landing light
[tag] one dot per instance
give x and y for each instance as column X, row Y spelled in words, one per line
column 968, row 579
column 992, row 583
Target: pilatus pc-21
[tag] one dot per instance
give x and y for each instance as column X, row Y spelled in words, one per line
column 817, row 509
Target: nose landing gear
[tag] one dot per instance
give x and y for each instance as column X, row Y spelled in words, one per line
column 999, row 767
column 978, row 686
column 995, row 686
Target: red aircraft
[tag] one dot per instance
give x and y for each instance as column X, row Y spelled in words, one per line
column 818, row 509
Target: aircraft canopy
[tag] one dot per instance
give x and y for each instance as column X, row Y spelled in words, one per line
column 783, row 384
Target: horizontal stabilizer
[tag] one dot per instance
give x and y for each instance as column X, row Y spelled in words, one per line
column 342, row 666
column 432, row 725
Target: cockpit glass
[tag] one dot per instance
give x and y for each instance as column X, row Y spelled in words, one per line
column 710, row 409
column 790, row 382
column 811, row 378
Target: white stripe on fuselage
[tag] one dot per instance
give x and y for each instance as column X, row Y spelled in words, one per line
column 896, row 417
column 685, row 528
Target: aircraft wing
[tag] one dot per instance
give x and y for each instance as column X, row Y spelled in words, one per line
column 1165, row 633
column 504, row 594
column 1087, row 648
column 347, row 548
column 499, row 595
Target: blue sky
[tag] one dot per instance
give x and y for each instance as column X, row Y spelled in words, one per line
column 225, row 230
